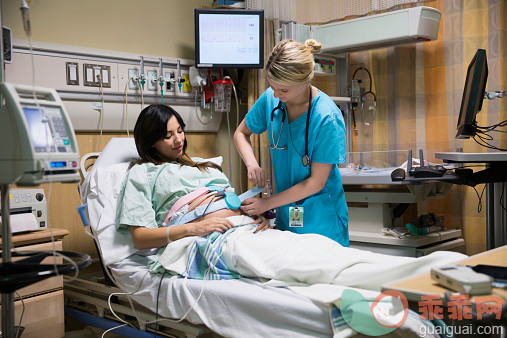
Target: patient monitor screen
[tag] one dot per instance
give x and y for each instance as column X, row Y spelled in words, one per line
column 46, row 129
column 229, row 39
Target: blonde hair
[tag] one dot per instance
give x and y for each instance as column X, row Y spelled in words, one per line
column 291, row 62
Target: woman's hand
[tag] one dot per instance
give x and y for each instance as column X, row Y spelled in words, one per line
column 255, row 206
column 210, row 225
column 256, row 175
column 263, row 224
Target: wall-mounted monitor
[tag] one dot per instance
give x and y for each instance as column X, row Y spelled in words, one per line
column 229, row 38
column 473, row 95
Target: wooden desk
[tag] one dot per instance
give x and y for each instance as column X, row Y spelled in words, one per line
column 415, row 287
column 44, row 312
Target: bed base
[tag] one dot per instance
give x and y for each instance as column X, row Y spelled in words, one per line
column 91, row 291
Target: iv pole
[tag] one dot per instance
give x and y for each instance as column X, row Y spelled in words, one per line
column 7, row 298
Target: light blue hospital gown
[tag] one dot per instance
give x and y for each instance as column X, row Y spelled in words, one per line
column 325, row 212
column 149, row 191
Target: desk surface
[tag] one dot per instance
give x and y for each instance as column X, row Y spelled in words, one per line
column 415, row 287
column 497, row 156
column 37, row 236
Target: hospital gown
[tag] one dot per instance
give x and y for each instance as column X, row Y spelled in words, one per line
column 149, row 191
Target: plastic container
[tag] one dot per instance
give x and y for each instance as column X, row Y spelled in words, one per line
column 222, row 95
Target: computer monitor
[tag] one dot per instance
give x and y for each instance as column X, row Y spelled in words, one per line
column 229, row 38
column 473, row 95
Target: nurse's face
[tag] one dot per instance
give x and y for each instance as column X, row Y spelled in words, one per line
column 288, row 93
column 171, row 146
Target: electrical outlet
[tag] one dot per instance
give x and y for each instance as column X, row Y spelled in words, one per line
column 72, row 73
column 169, row 86
column 133, row 72
column 152, row 80
column 91, row 74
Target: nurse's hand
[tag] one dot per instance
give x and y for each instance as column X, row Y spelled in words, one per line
column 255, row 206
column 263, row 224
column 256, row 175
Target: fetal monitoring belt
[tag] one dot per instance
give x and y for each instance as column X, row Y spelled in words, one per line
column 231, row 201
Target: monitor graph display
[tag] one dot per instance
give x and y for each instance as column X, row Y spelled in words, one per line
column 229, row 38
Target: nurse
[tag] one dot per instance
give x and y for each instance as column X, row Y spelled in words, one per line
column 306, row 134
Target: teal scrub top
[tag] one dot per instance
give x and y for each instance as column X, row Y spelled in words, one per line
column 325, row 212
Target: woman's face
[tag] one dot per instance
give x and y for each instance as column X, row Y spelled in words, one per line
column 171, row 146
column 287, row 93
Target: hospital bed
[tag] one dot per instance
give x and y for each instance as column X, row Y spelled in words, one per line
column 229, row 308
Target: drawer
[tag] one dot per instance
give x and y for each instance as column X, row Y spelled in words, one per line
column 43, row 317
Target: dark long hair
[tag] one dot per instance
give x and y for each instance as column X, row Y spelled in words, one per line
column 151, row 126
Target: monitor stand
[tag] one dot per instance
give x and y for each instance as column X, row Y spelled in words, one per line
column 495, row 176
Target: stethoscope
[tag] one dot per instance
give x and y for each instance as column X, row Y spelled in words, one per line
column 306, row 158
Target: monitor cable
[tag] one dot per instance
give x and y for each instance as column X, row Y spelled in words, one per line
column 483, row 137
column 26, row 22
column 501, row 197
column 101, row 89
column 134, row 79
column 479, row 205
column 19, row 331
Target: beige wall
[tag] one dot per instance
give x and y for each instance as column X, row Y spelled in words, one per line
column 156, row 27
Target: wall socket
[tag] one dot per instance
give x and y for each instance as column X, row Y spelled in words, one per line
column 133, row 72
column 91, row 72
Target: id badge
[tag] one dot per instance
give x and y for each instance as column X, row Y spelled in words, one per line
column 296, row 216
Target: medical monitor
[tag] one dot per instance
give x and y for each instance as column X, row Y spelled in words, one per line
column 473, row 95
column 39, row 141
column 229, row 38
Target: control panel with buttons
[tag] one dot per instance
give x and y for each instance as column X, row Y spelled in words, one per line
column 29, row 200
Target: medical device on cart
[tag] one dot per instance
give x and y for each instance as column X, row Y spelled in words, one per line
column 39, row 143
column 38, row 146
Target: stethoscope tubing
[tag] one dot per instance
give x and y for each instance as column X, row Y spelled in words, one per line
column 306, row 158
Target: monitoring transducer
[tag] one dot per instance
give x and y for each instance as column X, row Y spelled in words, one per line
column 38, row 143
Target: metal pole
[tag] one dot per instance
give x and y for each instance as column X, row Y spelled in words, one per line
column 2, row 64
column 7, row 298
column 490, row 214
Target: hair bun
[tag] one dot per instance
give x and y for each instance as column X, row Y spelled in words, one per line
column 314, row 45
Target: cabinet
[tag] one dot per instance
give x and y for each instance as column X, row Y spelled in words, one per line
column 44, row 305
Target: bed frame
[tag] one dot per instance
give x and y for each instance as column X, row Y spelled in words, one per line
column 86, row 300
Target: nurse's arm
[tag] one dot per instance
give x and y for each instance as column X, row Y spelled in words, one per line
column 242, row 141
column 313, row 184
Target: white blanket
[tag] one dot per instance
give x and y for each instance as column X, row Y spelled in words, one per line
column 311, row 265
column 308, row 259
